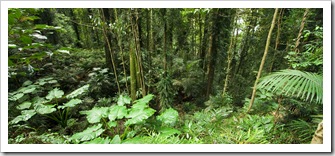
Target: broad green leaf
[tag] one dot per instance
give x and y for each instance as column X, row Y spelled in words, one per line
column 71, row 103
column 169, row 117
column 112, row 124
column 99, row 140
column 25, row 115
column 117, row 111
column 27, row 83
column 94, row 115
column 123, row 100
column 52, row 81
column 139, row 115
column 16, row 97
column 78, row 91
column 45, row 109
column 88, row 134
column 55, row 93
column 145, row 99
column 166, row 131
column 29, row 89
column 116, row 140
column 24, row 105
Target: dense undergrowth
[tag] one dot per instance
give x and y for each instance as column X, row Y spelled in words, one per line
column 48, row 111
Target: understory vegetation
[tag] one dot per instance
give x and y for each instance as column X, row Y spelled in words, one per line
column 164, row 76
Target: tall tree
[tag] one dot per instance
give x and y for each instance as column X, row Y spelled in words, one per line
column 263, row 60
column 233, row 39
column 212, row 50
column 134, row 17
column 108, row 48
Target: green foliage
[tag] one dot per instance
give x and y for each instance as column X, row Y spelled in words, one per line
column 304, row 85
column 101, row 83
column 88, row 134
column 111, row 116
column 78, row 91
column 166, row 92
column 168, row 117
column 302, row 130
column 27, row 43
column 47, row 106
column 311, row 56
column 219, row 101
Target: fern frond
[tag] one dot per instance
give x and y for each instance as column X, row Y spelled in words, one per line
column 304, row 85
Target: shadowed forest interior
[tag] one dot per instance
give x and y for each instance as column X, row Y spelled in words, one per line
column 165, row 76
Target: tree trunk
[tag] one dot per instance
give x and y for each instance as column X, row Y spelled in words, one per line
column 136, row 35
column 119, row 41
column 263, row 60
column 230, row 57
column 76, row 30
column 277, row 38
column 212, row 52
column 133, row 85
column 108, row 47
column 297, row 43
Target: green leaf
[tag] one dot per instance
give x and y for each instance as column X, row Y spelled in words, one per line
column 45, row 109
column 63, row 51
column 166, row 131
column 112, row 124
column 94, row 115
column 304, row 85
column 99, row 140
column 16, row 97
column 55, row 93
column 117, row 111
column 26, row 39
column 145, row 99
column 123, row 100
column 169, row 117
column 88, row 134
column 10, row 62
column 25, row 115
column 27, row 83
column 139, row 115
column 71, row 103
column 116, row 140
column 52, row 81
column 29, row 89
column 41, row 26
column 12, row 45
column 78, row 91
column 24, row 105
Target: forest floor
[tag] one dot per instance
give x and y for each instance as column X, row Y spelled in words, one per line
column 213, row 124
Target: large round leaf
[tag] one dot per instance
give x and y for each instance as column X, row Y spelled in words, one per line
column 169, row 117
column 117, row 111
column 25, row 115
column 88, row 134
column 94, row 115
column 139, row 115
column 55, row 93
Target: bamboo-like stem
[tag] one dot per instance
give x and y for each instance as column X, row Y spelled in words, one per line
column 263, row 60
column 110, row 50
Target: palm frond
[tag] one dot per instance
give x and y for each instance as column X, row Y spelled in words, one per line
column 304, row 85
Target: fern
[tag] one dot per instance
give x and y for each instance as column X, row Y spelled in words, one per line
column 304, row 85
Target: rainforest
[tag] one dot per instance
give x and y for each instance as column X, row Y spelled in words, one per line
column 165, row 75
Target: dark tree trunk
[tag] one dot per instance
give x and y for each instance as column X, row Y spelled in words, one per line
column 76, row 30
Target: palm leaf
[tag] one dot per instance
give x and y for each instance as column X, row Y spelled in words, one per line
column 304, row 85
